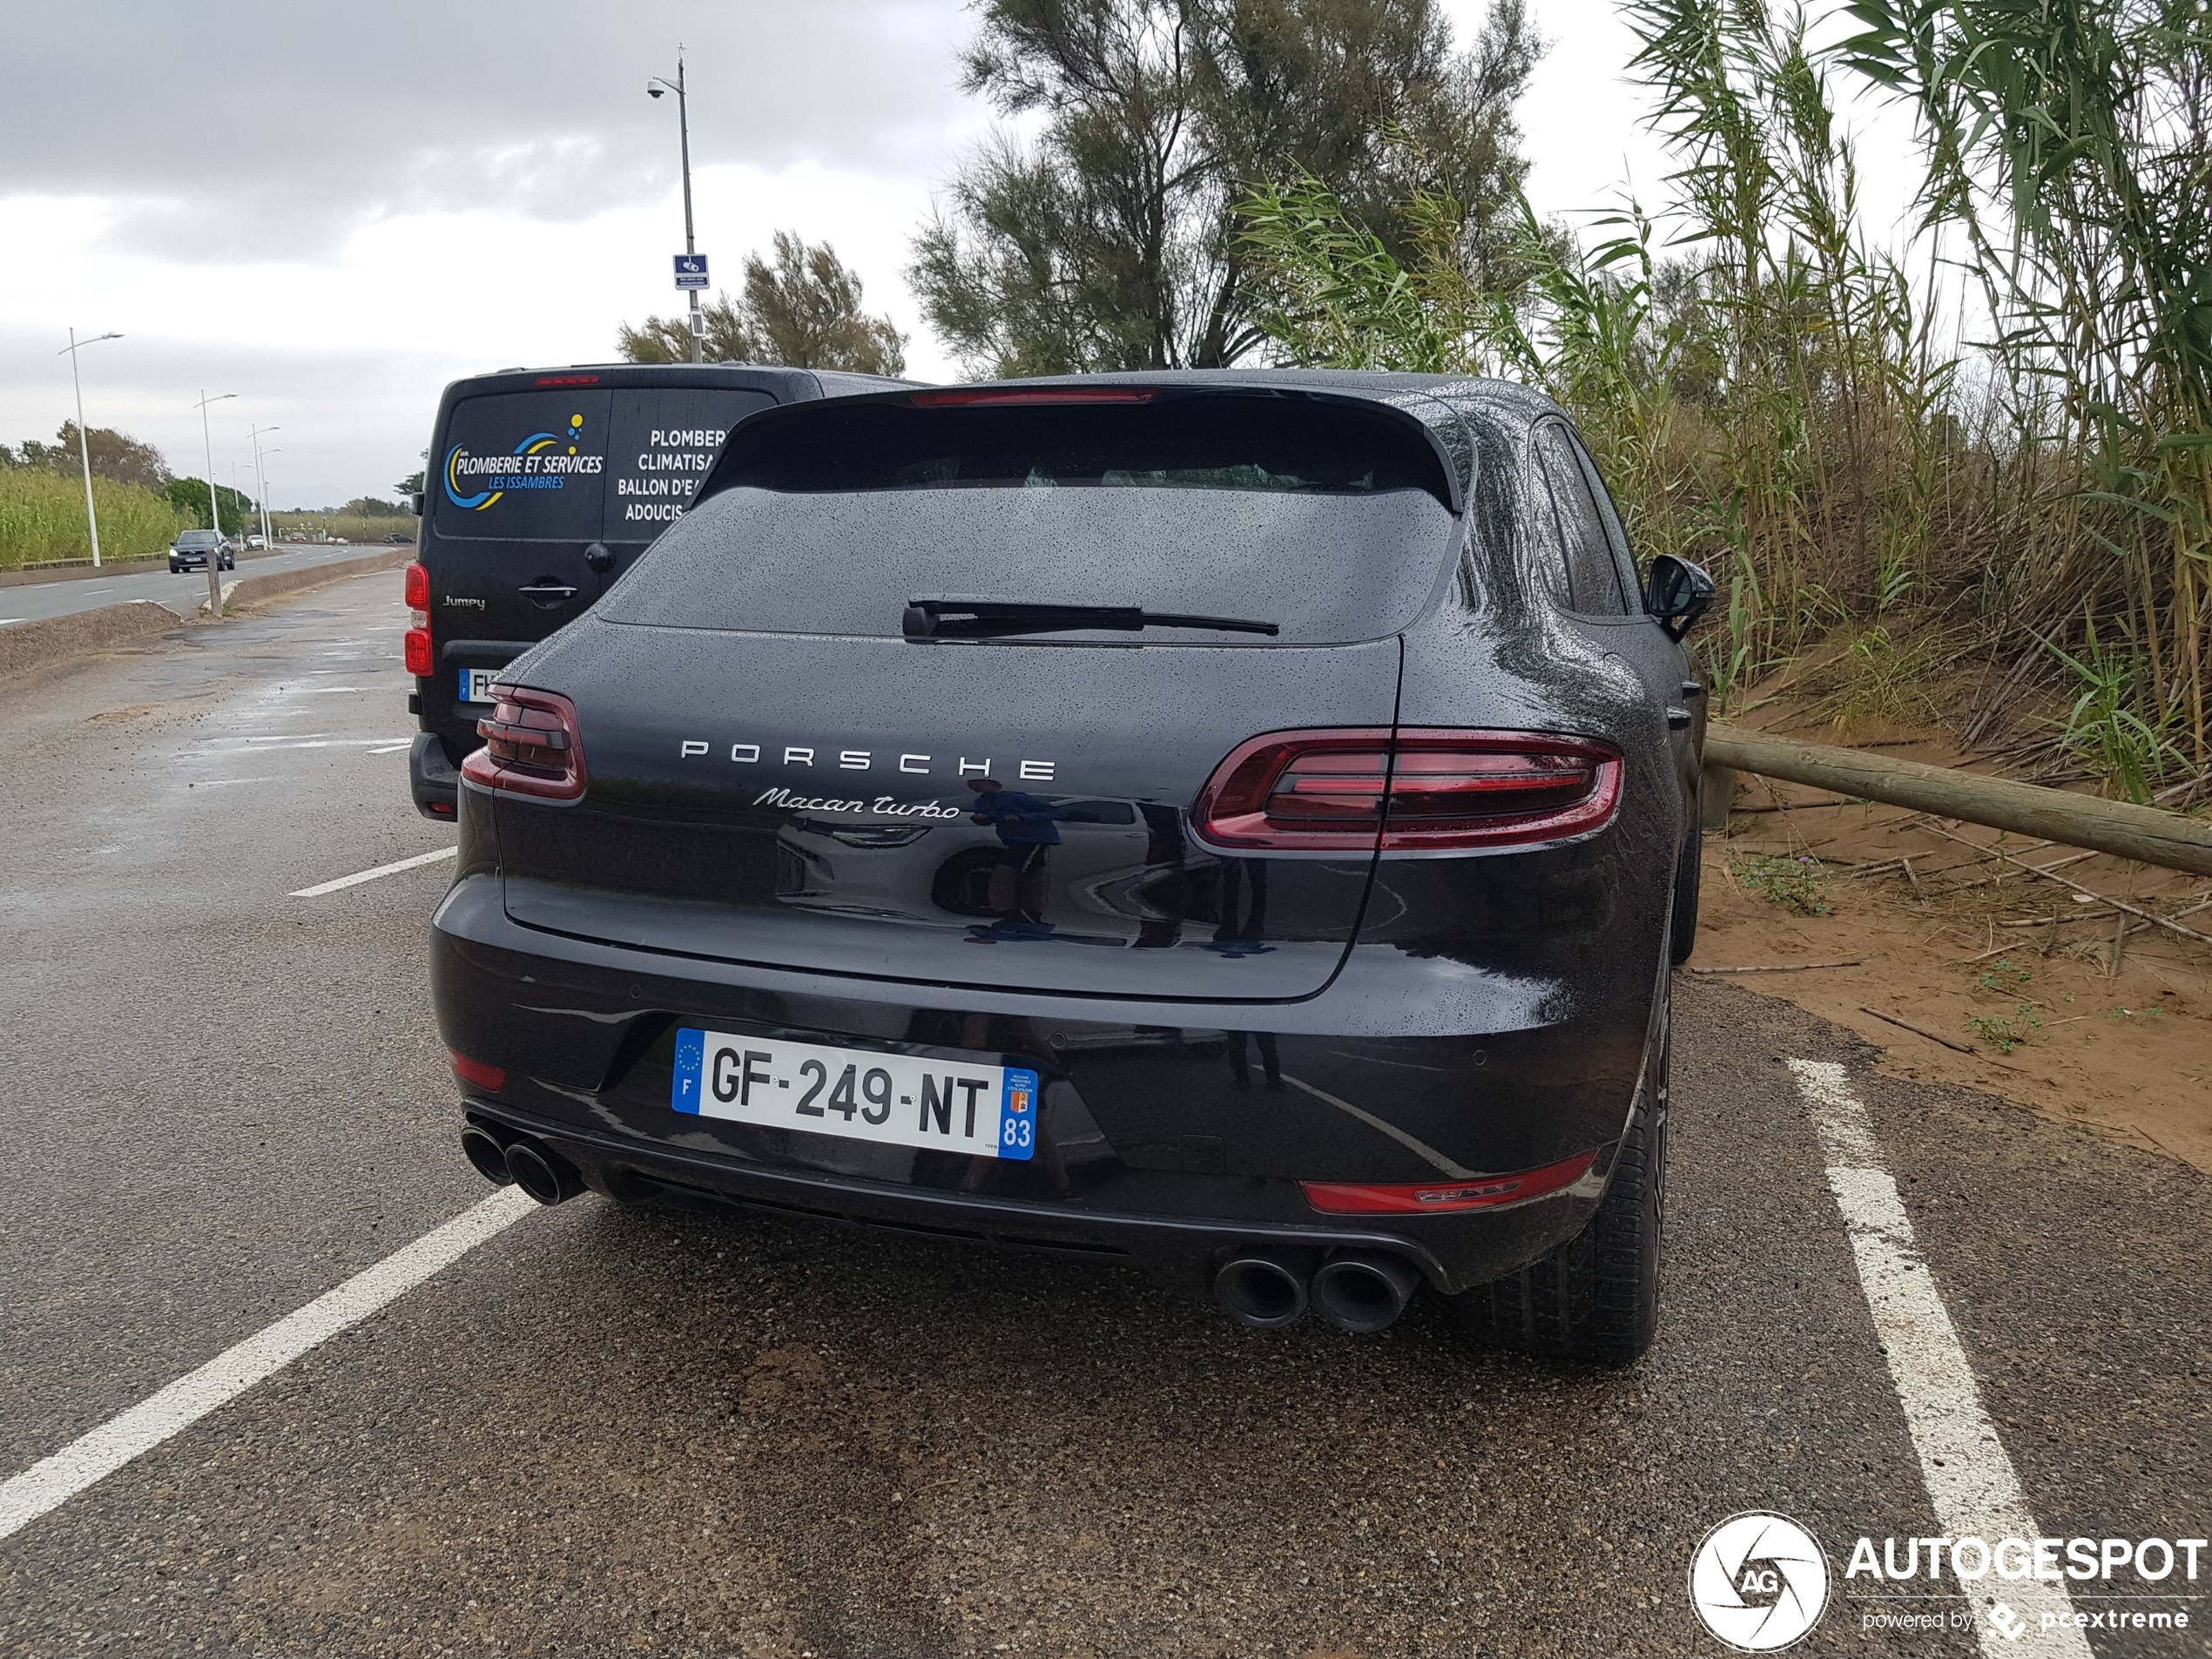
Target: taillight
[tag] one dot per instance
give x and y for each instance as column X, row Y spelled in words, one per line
column 477, row 1072
column 418, row 588
column 1424, row 790
column 418, row 651
column 532, row 746
column 1434, row 1198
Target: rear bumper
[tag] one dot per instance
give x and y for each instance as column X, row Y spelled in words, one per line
column 1171, row 1134
column 432, row 778
column 1182, row 1250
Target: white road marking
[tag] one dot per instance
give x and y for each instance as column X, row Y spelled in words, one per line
column 360, row 876
column 391, row 748
column 1419, row 1149
column 1970, row 1479
column 93, row 1456
column 208, row 751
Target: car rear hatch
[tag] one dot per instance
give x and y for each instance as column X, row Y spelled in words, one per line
column 807, row 741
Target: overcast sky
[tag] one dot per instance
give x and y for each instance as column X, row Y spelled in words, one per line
column 333, row 211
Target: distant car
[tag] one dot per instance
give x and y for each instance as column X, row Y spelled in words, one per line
column 192, row 550
column 397, row 538
column 297, row 536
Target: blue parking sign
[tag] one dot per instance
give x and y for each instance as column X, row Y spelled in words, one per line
column 690, row 270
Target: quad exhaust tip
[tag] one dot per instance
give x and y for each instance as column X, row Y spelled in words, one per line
column 483, row 1149
column 1364, row 1291
column 1355, row 1291
column 1264, row 1289
column 523, row 1161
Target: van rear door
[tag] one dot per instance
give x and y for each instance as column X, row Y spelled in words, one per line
column 540, row 498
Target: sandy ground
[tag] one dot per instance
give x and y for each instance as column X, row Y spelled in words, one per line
column 1965, row 937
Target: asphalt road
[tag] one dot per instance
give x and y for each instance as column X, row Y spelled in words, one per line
column 183, row 593
column 608, row 1431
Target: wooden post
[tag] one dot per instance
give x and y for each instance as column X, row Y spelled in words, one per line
column 2146, row 833
column 1716, row 796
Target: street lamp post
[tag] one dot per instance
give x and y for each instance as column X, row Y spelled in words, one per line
column 214, row 507
column 260, row 488
column 655, row 88
column 268, row 531
column 83, row 444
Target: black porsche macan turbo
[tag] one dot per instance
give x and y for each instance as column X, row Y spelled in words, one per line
column 1237, row 823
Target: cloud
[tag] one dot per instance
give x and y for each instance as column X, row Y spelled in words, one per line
column 334, row 210
column 230, row 121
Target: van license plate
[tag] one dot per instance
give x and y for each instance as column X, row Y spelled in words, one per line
column 476, row 683
column 857, row 1094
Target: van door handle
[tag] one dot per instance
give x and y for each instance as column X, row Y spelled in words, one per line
column 548, row 590
column 1677, row 717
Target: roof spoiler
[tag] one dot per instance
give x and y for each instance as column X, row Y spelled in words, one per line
column 751, row 439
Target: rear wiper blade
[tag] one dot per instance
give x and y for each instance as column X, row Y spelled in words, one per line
column 998, row 618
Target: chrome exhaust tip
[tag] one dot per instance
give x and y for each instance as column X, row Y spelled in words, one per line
column 1363, row 1291
column 483, row 1149
column 541, row 1172
column 1262, row 1289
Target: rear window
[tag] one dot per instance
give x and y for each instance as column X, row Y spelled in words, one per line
column 1286, row 445
column 1318, row 518
column 591, row 464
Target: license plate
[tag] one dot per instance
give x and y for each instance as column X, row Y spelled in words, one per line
column 476, row 683
column 857, row 1094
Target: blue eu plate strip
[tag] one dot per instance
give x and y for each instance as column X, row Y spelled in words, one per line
column 690, row 1051
column 1018, row 1119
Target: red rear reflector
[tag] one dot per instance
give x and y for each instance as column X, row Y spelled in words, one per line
column 532, row 746
column 477, row 1072
column 1335, row 790
column 568, row 380
column 418, row 650
column 418, row 588
column 1031, row 395
column 1429, row 1197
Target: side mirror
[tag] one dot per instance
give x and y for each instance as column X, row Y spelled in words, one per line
column 1677, row 593
column 414, row 503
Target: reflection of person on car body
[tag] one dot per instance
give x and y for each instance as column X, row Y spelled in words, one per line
column 1026, row 824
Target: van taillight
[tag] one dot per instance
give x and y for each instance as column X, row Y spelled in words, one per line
column 532, row 746
column 418, row 588
column 1426, row 789
column 418, row 651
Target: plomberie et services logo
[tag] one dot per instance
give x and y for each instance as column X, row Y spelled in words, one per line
column 541, row 461
column 1758, row 1581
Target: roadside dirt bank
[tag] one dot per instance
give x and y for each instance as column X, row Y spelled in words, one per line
column 1908, row 921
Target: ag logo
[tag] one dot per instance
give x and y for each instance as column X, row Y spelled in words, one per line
column 1758, row 1581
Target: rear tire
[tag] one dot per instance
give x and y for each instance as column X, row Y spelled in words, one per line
column 1683, row 937
column 1596, row 1296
